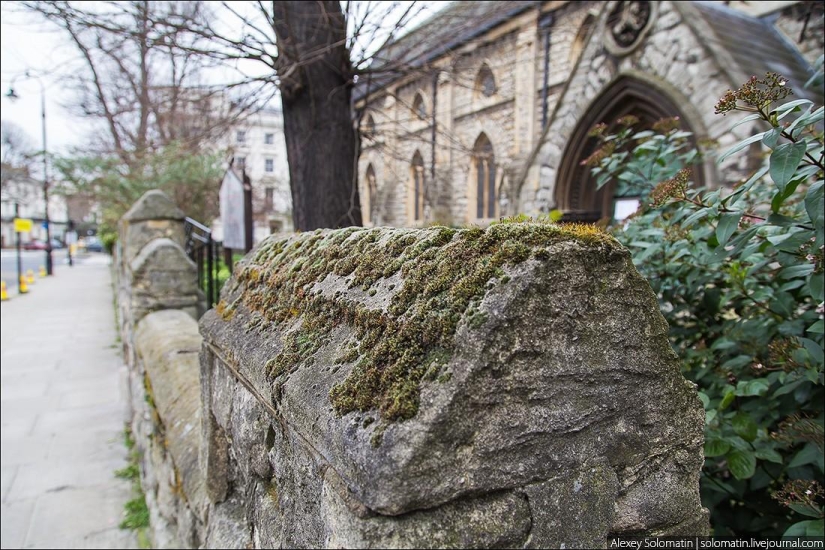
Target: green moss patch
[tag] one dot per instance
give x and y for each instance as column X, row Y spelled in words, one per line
column 446, row 272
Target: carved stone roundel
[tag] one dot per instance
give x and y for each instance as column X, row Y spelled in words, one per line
column 627, row 21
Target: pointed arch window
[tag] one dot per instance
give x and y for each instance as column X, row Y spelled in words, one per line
column 372, row 191
column 417, row 187
column 485, row 181
column 369, row 127
column 418, row 107
column 485, row 81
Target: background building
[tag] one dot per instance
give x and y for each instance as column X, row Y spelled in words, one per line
column 257, row 146
column 27, row 193
column 485, row 109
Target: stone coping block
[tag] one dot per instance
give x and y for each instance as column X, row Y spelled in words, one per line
column 167, row 343
column 154, row 205
column 154, row 216
column 427, row 366
column 162, row 276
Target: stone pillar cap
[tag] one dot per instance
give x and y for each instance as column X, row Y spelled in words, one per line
column 154, row 205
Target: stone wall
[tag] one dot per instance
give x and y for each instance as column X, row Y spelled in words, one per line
column 441, row 388
column 512, row 386
column 158, row 304
column 802, row 23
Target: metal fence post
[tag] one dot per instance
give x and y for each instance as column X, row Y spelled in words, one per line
column 210, row 281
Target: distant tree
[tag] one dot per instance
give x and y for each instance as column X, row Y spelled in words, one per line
column 17, row 152
column 143, row 85
column 190, row 179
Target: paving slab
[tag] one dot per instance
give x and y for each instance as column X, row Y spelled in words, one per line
column 63, row 515
column 7, row 474
column 97, row 394
column 62, row 420
column 24, row 391
column 17, row 518
column 93, row 445
column 19, row 426
column 23, row 450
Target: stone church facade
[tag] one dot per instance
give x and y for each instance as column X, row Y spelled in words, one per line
column 484, row 110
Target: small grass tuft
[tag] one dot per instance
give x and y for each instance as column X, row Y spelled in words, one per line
column 130, row 472
column 136, row 513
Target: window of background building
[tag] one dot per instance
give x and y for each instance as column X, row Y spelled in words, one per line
column 486, row 82
column 269, row 165
column 372, row 191
column 485, row 167
column 269, row 199
column 240, row 163
column 269, row 139
column 240, row 136
column 417, row 187
column 369, row 128
column 418, row 107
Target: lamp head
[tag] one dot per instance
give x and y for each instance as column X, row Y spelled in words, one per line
column 12, row 95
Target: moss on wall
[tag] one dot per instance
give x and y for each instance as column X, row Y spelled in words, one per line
column 445, row 272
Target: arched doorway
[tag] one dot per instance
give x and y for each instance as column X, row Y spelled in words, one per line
column 576, row 192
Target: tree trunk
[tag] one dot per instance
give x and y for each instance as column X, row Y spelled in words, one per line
column 316, row 85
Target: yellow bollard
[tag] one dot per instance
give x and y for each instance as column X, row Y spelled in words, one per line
column 30, row 277
column 42, row 271
column 3, row 294
column 22, row 289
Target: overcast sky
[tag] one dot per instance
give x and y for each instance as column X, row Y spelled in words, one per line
column 24, row 48
column 30, row 44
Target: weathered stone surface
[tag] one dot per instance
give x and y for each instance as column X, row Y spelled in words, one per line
column 574, row 510
column 499, row 520
column 538, row 362
column 154, row 216
column 168, row 344
column 162, row 277
column 154, row 205
column 227, row 526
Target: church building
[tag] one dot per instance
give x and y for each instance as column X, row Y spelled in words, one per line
column 484, row 110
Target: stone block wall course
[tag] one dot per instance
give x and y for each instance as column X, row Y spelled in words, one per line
column 158, row 300
column 558, row 415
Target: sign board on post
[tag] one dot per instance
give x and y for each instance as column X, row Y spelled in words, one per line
column 22, row 225
column 71, row 237
column 232, row 211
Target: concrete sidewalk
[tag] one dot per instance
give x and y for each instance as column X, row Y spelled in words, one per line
column 62, row 413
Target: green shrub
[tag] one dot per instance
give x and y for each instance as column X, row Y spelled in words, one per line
column 108, row 237
column 739, row 276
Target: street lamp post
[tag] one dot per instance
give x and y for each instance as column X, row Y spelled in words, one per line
column 12, row 96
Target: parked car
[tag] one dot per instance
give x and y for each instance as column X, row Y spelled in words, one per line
column 93, row 244
column 37, row 244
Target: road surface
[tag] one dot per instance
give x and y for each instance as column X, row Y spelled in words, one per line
column 33, row 259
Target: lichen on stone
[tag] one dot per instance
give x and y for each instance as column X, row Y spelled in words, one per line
column 445, row 273
column 224, row 311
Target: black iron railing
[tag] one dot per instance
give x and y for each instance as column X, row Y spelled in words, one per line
column 205, row 252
